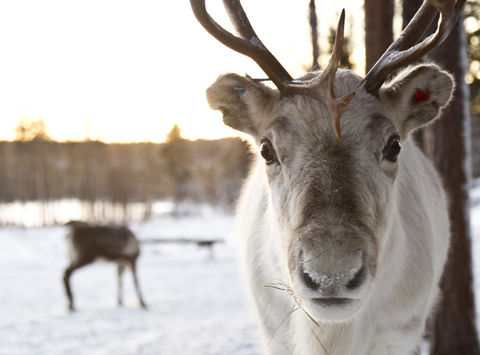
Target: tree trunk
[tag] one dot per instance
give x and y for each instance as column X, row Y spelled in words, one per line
column 378, row 29
column 314, row 35
column 447, row 143
column 409, row 8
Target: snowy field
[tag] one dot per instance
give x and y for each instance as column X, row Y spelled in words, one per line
column 475, row 225
column 197, row 305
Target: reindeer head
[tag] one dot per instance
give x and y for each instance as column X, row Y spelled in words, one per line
column 331, row 190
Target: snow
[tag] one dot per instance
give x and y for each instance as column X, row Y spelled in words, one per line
column 33, row 213
column 197, row 305
column 475, row 228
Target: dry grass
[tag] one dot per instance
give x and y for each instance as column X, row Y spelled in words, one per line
column 281, row 286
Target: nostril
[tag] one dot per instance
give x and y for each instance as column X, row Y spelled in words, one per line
column 308, row 281
column 358, row 279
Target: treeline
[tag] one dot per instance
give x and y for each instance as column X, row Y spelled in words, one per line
column 181, row 170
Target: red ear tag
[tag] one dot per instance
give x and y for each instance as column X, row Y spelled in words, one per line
column 420, row 95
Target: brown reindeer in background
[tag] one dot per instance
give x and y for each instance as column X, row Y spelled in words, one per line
column 88, row 243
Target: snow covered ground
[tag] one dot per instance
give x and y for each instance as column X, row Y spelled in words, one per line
column 475, row 225
column 197, row 305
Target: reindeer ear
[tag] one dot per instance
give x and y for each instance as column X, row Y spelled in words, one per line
column 243, row 102
column 416, row 96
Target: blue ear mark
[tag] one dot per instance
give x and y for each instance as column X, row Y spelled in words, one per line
column 240, row 91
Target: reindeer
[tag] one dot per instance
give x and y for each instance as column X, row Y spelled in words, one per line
column 88, row 243
column 344, row 227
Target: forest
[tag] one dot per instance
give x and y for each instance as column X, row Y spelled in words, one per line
column 202, row 171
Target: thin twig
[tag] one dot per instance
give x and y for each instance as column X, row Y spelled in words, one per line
column 283, row 287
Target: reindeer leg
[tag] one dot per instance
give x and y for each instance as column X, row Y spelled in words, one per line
column 137, row 285
column 121, row 269
column 66, row 281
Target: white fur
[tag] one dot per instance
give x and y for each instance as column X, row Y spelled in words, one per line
column 403, row 203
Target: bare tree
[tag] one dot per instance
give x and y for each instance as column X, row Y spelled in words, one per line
column 409, row 8
column 378, row 29
column 345, row 61
column 455, row 331
column 177, row 157
column 314, row 34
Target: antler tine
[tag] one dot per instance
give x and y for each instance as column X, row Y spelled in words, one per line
column 239, row 18
column 336, row 107
column 405, row 49
column 249, row 45
column 321, row 87
column 334, row 62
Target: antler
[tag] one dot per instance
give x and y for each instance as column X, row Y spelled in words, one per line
column 249, row 45
column 405, row 49
column 319, row 88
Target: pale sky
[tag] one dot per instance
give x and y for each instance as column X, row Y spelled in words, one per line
column 125, row 70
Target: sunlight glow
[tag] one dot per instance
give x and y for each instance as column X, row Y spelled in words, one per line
column 129, row 70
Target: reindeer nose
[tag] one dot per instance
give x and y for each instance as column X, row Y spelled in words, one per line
column 329, row 279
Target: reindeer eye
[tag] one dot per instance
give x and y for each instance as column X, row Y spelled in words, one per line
column 267, row 152
column 392, row 149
